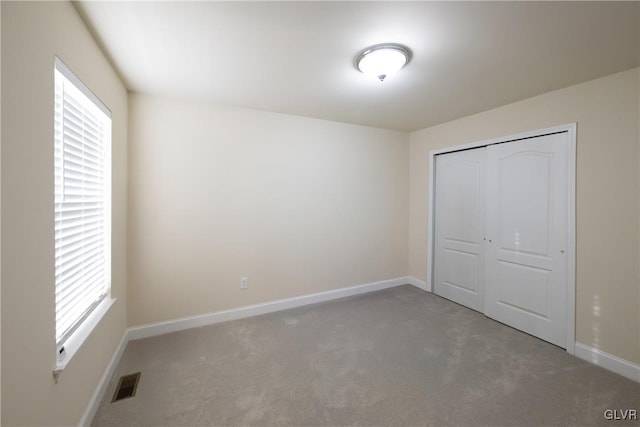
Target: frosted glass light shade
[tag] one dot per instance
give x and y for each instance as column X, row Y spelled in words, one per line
column 382, row 61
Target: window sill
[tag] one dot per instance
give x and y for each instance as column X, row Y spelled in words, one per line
column 77, row 339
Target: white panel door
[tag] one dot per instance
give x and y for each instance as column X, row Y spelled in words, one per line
column 526, row 232
column 459, row 224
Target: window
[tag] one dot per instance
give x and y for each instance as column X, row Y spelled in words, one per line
column 82, row 211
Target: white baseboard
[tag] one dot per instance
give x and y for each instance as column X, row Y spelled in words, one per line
column 608, row 361
column 90, row 412
column 160, row 328
column 420, row 284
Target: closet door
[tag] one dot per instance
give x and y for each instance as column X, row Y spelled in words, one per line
column 459, row 224
column 526, row 231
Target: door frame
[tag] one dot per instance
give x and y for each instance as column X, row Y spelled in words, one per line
column 571, row 211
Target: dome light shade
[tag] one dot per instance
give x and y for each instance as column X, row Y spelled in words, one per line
column 383, row 60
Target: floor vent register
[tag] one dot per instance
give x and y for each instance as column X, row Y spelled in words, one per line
column 126, row 387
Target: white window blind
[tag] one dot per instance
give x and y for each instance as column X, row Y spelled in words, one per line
column 82, row 141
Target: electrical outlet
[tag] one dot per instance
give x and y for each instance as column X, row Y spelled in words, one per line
column 244, row 282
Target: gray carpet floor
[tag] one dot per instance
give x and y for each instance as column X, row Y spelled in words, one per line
column 398, row 357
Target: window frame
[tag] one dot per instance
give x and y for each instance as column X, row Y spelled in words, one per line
column 70, row 342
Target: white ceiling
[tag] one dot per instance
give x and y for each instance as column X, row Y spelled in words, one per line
column 297, row 57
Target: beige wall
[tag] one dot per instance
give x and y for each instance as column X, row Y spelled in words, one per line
column 608, row 178
column 297, row 205
column 32, row 33
column 0, row 214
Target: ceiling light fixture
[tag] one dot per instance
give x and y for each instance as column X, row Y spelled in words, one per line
column 383, row 60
